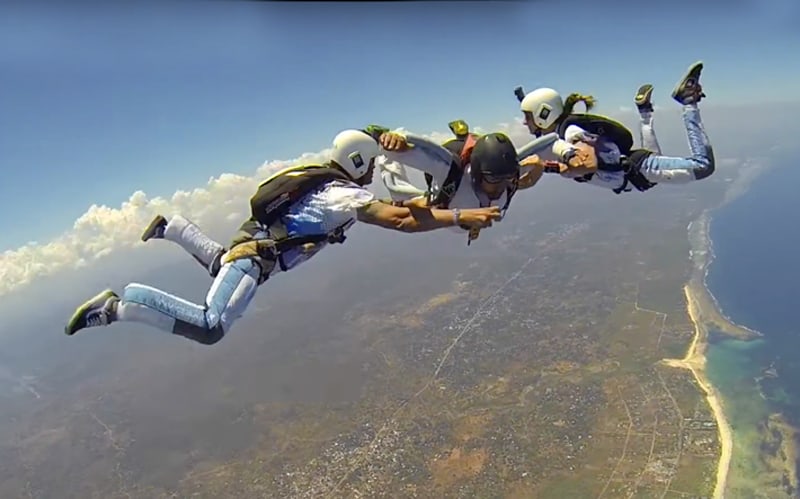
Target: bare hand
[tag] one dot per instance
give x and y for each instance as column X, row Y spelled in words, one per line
column 534, row 161
column 391, row 141
column 585, row 156
column 478, row 218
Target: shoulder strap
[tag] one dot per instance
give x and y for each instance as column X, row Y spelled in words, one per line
column 462, row 151
column 510, row 191
column 633, row 172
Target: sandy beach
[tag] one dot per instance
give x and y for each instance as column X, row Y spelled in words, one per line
column 704, row 311
column 695, row 360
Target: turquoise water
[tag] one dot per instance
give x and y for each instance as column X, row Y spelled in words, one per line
column 756, row 241
column 754, row 276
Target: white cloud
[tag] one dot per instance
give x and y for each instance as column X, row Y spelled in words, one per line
column 224, row 201
column 102, row 230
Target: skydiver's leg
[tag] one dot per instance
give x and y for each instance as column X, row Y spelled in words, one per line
column 399, row 186
column 188, row 236
column 394, row 174
column 701, row 164
column 227, row 299
column 647, row 134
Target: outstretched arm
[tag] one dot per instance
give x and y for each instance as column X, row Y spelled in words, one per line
column 417, row 219
column 532, row 169
column 415, row 202
column 406, row 219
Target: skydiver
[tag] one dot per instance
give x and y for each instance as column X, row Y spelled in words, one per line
column 323, row 202
column 598, row 150
column 474, row 171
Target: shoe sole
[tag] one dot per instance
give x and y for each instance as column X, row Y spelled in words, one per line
column 103, row 295
column 697, row 67
column 643, row 94
column 148, row 232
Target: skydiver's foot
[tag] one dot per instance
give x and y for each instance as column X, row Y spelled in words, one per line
column 642, row 98
column 688, row 89
column 156, row 229
column 100, row 310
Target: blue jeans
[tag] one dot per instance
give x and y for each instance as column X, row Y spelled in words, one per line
column 227, row 299
column 667, row 169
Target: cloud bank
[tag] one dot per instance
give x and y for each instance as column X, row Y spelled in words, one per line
column 103, row 230
column 224, row 200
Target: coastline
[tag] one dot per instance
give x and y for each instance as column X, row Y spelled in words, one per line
column 695, row 361
column 704, row 311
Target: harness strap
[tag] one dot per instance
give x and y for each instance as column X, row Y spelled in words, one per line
column 631, row 166
column 271, row 249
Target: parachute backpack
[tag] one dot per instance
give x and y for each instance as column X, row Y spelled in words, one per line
column 603, row 126
column 273, row 199
column 278, row 192
column 615, row 132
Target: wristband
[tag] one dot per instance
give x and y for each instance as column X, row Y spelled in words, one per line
column 456, row 216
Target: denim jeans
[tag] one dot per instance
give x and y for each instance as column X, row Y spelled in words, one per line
column 669, row 169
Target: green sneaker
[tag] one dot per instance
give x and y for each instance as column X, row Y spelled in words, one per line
column 155, row 230
column 642, row 98
column 100, row 310
column 688, row 89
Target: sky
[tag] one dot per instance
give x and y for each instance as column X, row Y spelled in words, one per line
column 109, row 114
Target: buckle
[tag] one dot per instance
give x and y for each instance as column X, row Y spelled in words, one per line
column 337, row 236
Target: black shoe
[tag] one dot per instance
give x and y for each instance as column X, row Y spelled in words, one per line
column 642, row 98
column 156, row 229
column 688, row 89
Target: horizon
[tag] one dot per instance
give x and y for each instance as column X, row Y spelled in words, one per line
column 487, row 368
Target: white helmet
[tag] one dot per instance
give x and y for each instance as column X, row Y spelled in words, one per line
column 354, row 151
column 545, row 105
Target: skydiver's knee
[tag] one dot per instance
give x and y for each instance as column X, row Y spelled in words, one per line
column 705, row 167
column 201, row 334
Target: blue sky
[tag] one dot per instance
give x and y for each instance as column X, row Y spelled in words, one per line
column 97, row 102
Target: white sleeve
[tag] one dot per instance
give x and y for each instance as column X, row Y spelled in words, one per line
column 400, row 188
column 561, row 147
column 574, row 133
column 417, row 159
column 347, row 196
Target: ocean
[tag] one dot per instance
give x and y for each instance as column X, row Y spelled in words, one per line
column 754, row 275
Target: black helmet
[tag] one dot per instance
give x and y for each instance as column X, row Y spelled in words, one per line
column 494, row 157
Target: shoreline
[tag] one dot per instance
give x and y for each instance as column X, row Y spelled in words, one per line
column 695, row 361
column 704, row 310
